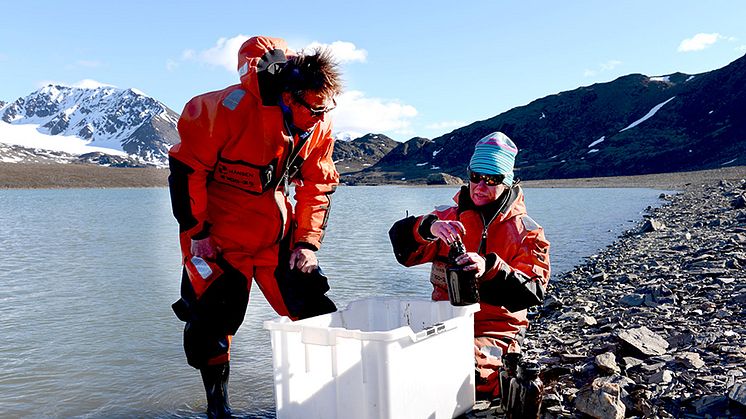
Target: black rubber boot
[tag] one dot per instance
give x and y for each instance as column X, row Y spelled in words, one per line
column 215, row 379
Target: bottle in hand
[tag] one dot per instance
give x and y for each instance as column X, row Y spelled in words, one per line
column 462, row 285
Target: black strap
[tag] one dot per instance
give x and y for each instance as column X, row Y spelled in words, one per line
column 293, row 154
column 269, row 77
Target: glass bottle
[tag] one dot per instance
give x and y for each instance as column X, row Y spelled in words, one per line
column 526, row 392
column 507, row 373
column 462, row 285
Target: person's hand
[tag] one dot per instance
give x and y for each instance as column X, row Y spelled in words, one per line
column 303, row 259
column 204, row 248
column 448, row 231
column 471, row 261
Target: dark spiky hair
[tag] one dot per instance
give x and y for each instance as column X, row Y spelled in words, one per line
column 317, row 72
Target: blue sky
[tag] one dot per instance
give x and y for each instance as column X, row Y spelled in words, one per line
column 411, row 68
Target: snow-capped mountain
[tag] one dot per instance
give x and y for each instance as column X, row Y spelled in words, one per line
column 345, row 136
column 102, row 119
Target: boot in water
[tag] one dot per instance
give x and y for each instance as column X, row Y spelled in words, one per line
column 215, row 379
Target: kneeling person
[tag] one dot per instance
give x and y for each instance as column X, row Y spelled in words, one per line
column 505, row 247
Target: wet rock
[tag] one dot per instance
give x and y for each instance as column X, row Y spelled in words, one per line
column 644, row 340
column 630, row 362
column 443, row 179
column 739, row 201
column 690, row 359
column 653, row 367
column 551, row 399
column 586, row 321
column 661, row 377
column 617, row 379
column 681, row 340
column 572, row 357
column 652, row 225
column 552, row 303
column 733, row 376
column 553, row 373
column 711, row 405
column 607, row 362
column 737, row 393
column 632, row 300
column 658, row 294
column 600, row 400
column 600, row 276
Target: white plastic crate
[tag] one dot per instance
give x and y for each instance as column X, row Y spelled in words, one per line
column 378, row 358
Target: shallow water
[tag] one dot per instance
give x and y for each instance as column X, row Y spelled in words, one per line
column 89, row 275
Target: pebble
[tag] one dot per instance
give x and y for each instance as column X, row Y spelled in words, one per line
column 607, row 362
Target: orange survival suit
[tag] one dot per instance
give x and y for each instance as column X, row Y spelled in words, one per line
column 229, row 178
column 517, row 269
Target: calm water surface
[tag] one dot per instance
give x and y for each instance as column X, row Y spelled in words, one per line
column 88, row 277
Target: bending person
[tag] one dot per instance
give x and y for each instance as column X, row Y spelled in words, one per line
column 240, row 147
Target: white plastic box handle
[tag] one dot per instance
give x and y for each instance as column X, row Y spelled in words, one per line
column 433, row 330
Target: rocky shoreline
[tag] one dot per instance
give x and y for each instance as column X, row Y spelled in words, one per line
column 655, row 324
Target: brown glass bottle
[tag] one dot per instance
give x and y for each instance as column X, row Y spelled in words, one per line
column 507, row 373
column 526, row 392
column 462, row 285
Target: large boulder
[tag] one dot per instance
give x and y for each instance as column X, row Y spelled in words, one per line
column 443, row 179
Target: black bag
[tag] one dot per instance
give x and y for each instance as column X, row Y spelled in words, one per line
column 304, row 293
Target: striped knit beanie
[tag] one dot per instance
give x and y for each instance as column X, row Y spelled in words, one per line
column 495, row 155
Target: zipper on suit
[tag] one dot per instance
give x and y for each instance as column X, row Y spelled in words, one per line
column 483, row 243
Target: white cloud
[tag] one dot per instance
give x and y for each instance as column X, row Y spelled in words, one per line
column 171, row 65
column 358, row 114
column 444, row 125
column 343, row 51
column 225, row 52
column 741, row 48
column 603, row 67
column 699, row 42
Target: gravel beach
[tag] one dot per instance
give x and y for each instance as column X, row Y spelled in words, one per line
column 654, row 325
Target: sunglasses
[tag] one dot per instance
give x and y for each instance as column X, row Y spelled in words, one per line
column 489, row 180
column 315, row 112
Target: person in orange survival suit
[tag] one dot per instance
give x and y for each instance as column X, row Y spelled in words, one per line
column 505, row 247
column 239, row 148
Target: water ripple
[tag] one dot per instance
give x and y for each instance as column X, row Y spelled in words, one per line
column 89, row 276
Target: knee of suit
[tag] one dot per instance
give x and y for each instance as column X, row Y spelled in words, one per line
column 203, row 345
column 221, row 307
column 212, row 319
